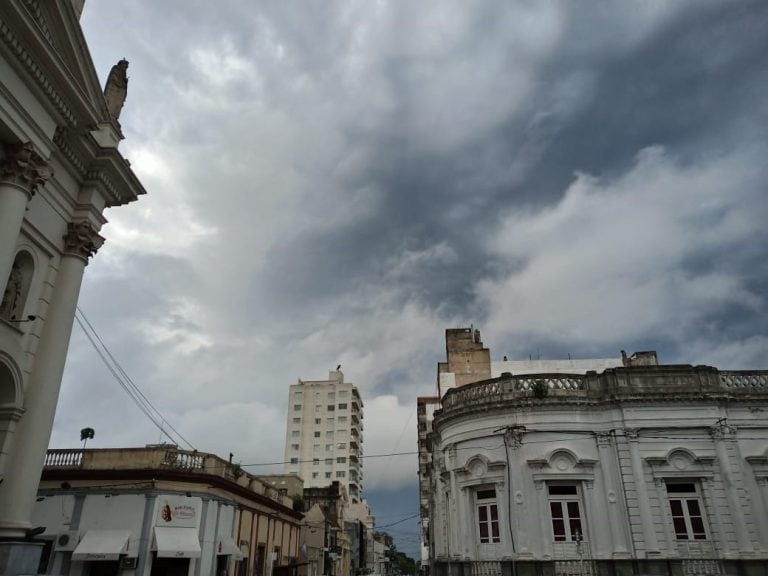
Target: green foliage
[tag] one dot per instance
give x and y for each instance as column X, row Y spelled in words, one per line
column 401, row 564
column 540, row 390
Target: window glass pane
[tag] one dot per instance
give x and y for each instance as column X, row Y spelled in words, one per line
column 680, row 530
column 495, row 531
column 575, row 526
column 557, row 509
column 693, row 507
column 677, row 507
column 558, row 529
column 486, row 494
column 494, row 512
column 681, row 488
column 483, row 512
column 559, row 490
column 483, row 532
column 697, row 525
column 573, row 510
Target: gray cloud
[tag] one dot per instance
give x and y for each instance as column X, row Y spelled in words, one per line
column 340, row 183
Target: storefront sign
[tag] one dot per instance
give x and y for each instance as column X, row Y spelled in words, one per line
column 178, row 511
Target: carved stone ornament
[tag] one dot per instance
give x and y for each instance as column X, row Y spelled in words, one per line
column 116, row 88
column 24, row 167
column 82, row 240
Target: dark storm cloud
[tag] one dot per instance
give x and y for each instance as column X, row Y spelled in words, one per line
column 340, row 182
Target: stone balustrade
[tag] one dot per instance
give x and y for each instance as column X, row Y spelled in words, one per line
column 159, row 457
column 670, row 382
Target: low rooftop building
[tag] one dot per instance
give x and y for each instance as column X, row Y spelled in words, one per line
column 158, row 509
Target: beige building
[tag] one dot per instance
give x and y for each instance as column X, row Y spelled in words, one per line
column 162, row 511
column 60, row 168
column 324, row 434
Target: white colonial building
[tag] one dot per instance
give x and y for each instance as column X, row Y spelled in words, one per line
column 637, row 469
column 60, row 168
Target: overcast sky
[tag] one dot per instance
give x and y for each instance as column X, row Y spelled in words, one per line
column 339, row 181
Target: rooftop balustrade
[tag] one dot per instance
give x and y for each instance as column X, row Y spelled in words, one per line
column 159, row 457
column 616, row 384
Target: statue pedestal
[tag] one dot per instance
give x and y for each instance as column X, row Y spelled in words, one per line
column 20, row 557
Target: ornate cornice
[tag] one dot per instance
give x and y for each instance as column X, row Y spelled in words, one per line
column 82, row 240
column 25, row 58
column 33, row 6
column 61, row 139
column 23, row 167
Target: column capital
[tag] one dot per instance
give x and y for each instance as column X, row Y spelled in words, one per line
column 603, row 439
column 82, row 240
column 722, row 431
column 24, row 168
column 631, row 434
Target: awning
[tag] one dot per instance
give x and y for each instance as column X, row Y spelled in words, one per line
column 176, row 542
column 102, row 545
column 227, row 547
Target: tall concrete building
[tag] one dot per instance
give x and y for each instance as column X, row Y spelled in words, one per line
column 324, row 434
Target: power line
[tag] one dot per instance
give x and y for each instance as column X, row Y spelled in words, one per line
column 125, row 382
column 399, row 521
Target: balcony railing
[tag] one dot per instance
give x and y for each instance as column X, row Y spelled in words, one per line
column 678, row 381
column 744, row 380
column 64, row 458
column 159, row 457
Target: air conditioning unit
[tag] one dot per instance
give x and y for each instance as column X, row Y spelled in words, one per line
column 67, row 541
column 129, row 562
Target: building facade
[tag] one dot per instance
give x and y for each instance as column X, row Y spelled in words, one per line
column 161, row 511
column 60, row 168
column 636, row 469
column 324, row 434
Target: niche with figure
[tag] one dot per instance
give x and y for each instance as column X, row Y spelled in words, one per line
column 17, row 288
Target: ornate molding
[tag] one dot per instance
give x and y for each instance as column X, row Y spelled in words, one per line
column 722, row 431
column 28, row 61
column 632, row 434
column 82, row 240
column 604, row 439
column 23, row 167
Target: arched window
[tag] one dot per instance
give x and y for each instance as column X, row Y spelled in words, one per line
column 17, row 289
column 7, row 385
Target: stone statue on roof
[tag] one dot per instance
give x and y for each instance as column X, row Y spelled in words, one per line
column 116, row 88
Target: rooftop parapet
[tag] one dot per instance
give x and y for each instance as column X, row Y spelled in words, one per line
column 635, row 383
column 159, row 457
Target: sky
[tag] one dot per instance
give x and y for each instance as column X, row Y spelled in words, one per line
column 338, row 182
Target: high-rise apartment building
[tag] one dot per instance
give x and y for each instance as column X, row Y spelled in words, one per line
column 324, row 434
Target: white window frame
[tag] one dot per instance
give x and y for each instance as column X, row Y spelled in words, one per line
column 684, row 514
column 486, row 507
column 564, row 502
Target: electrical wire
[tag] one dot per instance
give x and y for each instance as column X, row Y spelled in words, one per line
column 399, row 521
column 133, row 385
column 125, row 382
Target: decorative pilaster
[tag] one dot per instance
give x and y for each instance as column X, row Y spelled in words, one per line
column 609, row 474
column 21, row 172
column 643, row 502
column 27, row 455
column 723, row 434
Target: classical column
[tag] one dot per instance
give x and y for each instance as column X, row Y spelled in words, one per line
column 612, row 495
column 25, row 463
column 21, row 172
column 643, row 502
column 721, row 435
